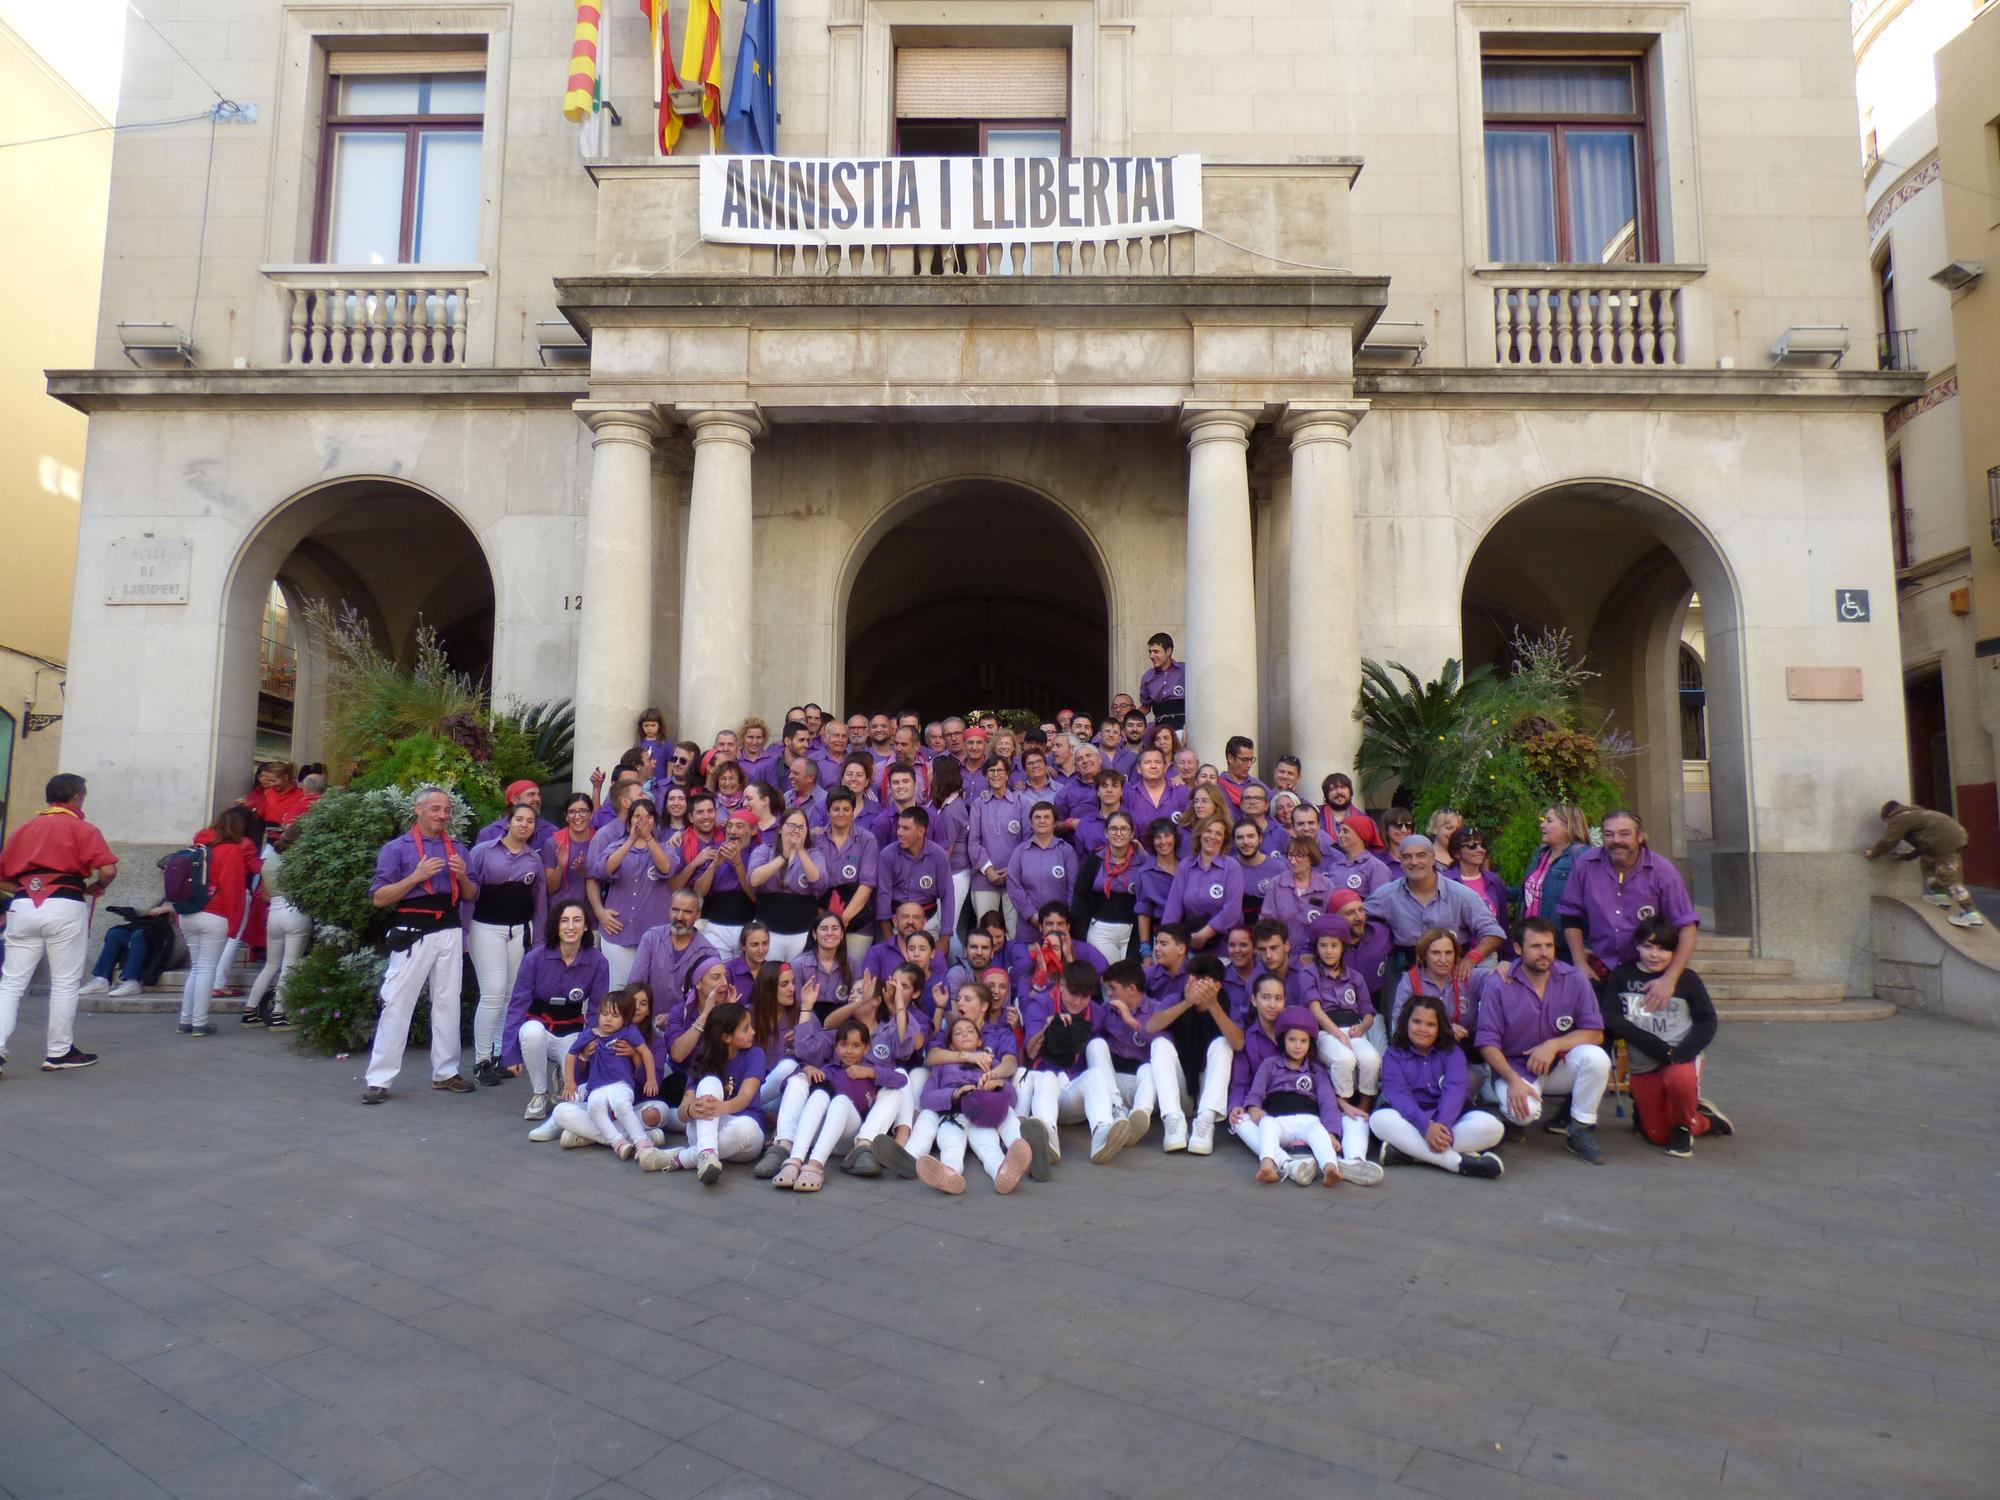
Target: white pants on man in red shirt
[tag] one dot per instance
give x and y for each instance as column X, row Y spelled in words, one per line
column 59, row 931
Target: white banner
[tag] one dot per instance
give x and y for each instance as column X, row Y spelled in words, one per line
column 945, row 200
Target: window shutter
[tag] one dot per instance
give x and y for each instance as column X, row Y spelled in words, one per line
column 405, row 62
column 982, row 83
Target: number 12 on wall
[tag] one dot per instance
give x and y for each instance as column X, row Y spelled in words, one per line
column 573, row 601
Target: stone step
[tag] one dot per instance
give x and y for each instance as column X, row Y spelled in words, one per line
column 1714, row 945
column 1855, row 1008
column 1733, row 966
column 1774, row 991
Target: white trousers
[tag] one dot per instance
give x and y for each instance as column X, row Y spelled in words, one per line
column 1057, row 1099
column 287, row 930
column 954, row 1136
column 205, row 933
column 1355, row 1067
column 774, row 1083
column 1474, row 1131
column 1276, row 1132
column 439, row 959
column 924, row 1133
column 542, row 1054
column 1138, row 1090
column 912, row 1091
column 59, row 931
column 985, row 901
column 605, row 1115
column 737, row 1137
column 496, row 959
column 619, row 961
column 802, row 1102
column 1110, row 938
column 1171, row 1080
column 961, row 891
column 725, row 940
column 225, row 966
column 786, row 946
column 1582, row 1073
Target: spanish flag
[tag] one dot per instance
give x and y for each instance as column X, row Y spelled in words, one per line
column 666, row 124
column 701, row 62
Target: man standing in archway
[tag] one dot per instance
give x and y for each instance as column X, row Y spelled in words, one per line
column 420, row 878
column 1163, row 686
column 1612, row 891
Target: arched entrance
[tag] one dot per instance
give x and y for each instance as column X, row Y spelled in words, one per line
column 976, row 593
column 1619, row 569
column 397, row 554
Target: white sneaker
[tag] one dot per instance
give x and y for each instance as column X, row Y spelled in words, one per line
column 126, row 989
column 97, row 984
column 1966, row 919
column 1938, row 898
column 1108, row 1140
column 1362, row 1173
column 1303, row 1170
column 708, row 1168
column 653, row 1159
column 571, row 1140
column 545, row 1132
column 538, row 1108
column 1137, row 1124
column 1202, row 1140
column 1175, row 1133
column 657, row 1136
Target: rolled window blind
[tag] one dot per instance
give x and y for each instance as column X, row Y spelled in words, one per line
column 982, row 83
column 405, row 62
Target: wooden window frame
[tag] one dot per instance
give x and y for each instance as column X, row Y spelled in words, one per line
column 1557, row 128
column 410, row 127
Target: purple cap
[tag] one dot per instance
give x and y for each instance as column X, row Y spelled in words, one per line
column 1296, row 1018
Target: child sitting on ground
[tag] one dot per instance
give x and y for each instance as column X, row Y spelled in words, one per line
column 849, row 1097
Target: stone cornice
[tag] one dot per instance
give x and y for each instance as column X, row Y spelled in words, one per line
column 1656, row 389
column 115, row 390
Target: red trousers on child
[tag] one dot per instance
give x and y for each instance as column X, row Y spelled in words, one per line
column 1665, row 1097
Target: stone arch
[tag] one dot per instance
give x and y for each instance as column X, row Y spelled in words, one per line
column 1060, row 627
column 1615, row 563
column 383, row 544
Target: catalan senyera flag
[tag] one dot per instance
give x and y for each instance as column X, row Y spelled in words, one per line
column 666, row 124
column 580, row 101
column 701, row 61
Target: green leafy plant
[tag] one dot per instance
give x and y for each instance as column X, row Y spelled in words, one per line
column 371, row 702
column 428, row 759
column 549, row 729
column 1417, row 733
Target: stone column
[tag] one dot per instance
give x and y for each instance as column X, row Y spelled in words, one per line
column 1324, row 624
column 717, row 619
column 1221, row 643
column 614, row 655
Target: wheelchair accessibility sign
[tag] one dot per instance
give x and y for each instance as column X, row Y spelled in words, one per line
column 1850, row 606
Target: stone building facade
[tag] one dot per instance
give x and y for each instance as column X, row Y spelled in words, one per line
column 1499, row 316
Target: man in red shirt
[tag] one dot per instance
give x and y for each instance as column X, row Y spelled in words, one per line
column 49, row 867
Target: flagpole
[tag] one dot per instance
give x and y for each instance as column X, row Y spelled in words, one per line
column 659, row 32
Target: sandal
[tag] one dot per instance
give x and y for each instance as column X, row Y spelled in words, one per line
column 787, row 1175
column 812, row 1177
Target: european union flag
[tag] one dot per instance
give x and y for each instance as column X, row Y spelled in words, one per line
column 750, row 128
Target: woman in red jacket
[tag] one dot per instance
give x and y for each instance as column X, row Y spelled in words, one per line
column 232, row 860
column 277, row 801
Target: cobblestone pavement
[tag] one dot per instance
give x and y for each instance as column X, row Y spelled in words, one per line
column 221, row 1277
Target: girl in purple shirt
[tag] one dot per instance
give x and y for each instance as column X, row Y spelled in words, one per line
column 842, row 1102
column 1425, row 1086
column 1339, row 1001
column 603, row 1078
column 1156, row 885
column 568, row 854
column 725, row 1075
column 630, row 888
column 1208, row 888
column 972, row 1102
column 774, row 1012
column 1292, row 1103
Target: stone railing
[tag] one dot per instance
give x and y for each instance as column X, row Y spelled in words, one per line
column 1587, row 315
column 337, row 316
column 1260, row 219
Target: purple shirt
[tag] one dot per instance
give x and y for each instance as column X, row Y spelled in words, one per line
column 668, row 972
column 1036, row 1013
column 1207, row 895
column 1145, row 811
column 1514, row 1019
column 1343, row 996
column 604, row 1066
column 1612, row 907
column 1368, row 956
column 1424, row 1087
column 951, row 831
column 861, row 1092
column 886, row 957
column 490, row 865
column 1259, row 1047
column 946, row 1079
column 1075, row 801
column 637, row 893
column 571, row 855
column 1283, row 903
column 844, row 866
column 545, row 985
column 1088, row 836
column 996, row 826
column 1364, row 875
column 834, row 992
column 1451, row 906
column 1164, row 685
column 398, row 860
column 544, row 831
column 1258, row 881
column 1038, row 874
column 924, row 877
column 1155, row 887
column 1280, row 1075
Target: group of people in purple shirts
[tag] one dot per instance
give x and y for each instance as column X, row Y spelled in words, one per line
column 890, row 943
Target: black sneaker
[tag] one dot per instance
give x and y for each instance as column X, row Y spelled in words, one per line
column 487, row 1072
column 70, row 1059
column 1718, row 1122
column 183, row 1028
column 1511, row 1133
column 894, row 1155
column 1583, row 1144
column 373, row 1095
column 1680, row 1141
column 1391, row 1157
column 203, row 1030
column 279, row 1021
column 1557, row 1123
column 252, row 1018
column 1481, row 1164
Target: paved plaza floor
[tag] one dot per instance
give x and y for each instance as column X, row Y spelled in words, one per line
column 220, row 1276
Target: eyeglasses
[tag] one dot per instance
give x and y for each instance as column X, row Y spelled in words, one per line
column 679, row 760
column 1464, row 844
